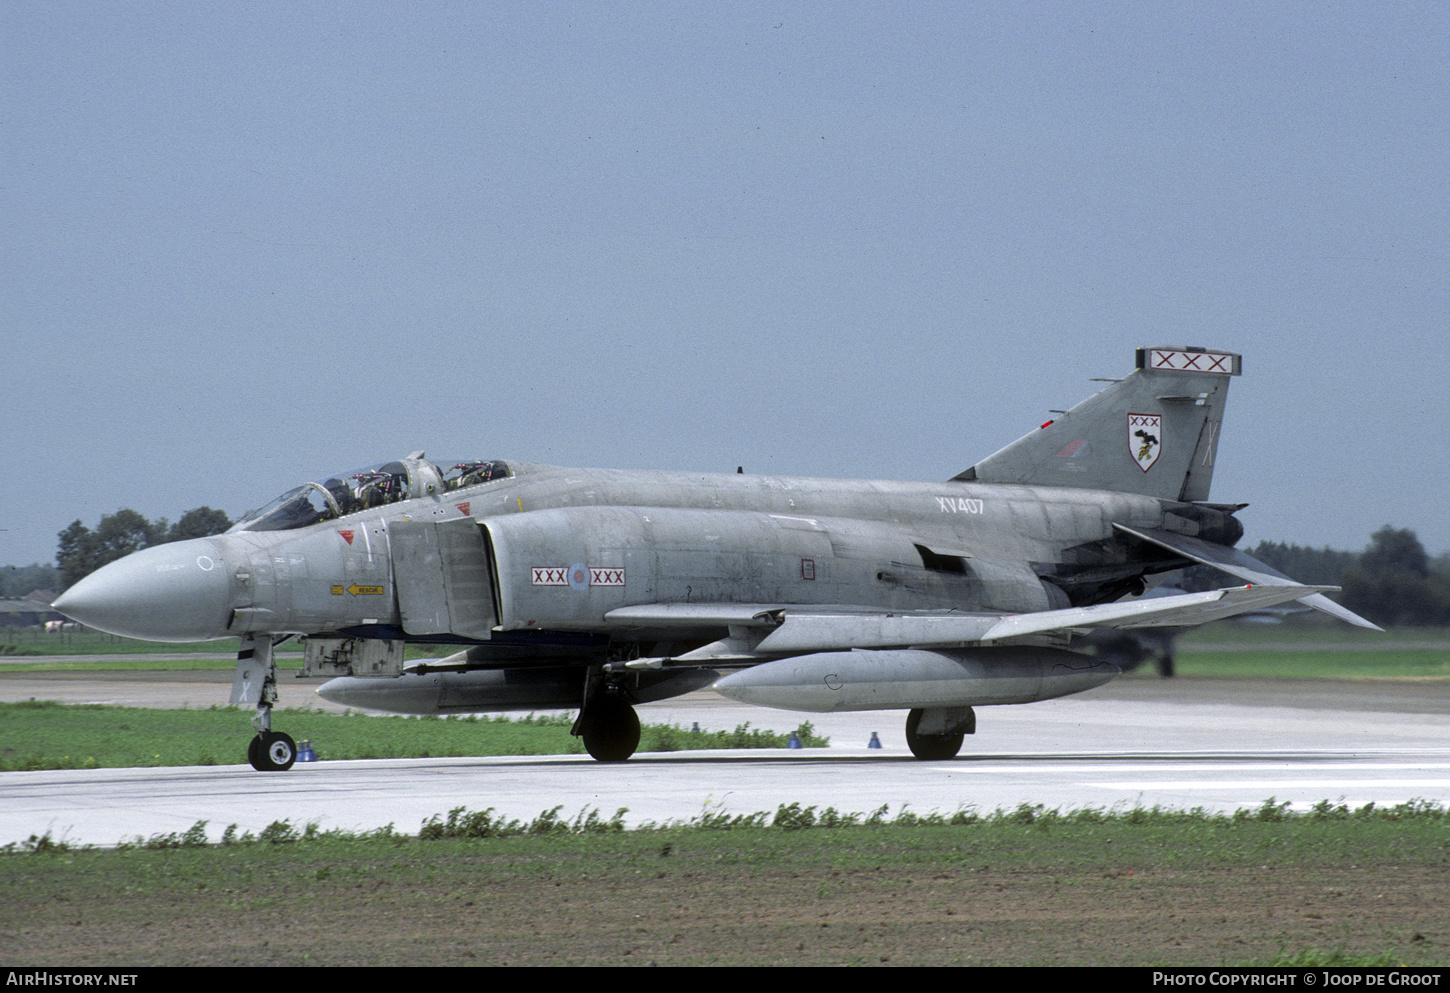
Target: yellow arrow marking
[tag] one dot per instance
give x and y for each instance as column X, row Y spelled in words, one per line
column 357, row 590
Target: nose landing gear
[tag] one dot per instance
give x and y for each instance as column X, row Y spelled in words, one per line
column 256, row 682
column 272, row 751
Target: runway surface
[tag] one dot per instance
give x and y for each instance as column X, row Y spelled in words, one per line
column 1218, row 744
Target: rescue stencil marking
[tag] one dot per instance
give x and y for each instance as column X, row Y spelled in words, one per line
column 463, row 507
column 357, row 590
column 1145, row 439
column 347, row 536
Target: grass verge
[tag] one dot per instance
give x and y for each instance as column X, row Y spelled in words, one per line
column 1358, row 663
column 802, row 886
column 46, row 735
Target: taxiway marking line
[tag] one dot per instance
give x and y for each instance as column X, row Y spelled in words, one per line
column 1257, row 784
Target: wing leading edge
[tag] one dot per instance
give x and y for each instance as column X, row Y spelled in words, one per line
column 757, row 632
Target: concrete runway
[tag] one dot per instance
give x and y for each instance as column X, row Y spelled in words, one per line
column 1218, row 744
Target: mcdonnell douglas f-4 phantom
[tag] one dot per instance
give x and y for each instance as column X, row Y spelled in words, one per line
column 600, row 589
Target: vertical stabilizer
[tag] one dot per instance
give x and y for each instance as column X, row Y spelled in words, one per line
column 1154, row 432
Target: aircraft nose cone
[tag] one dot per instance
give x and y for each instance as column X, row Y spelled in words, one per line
column 175, row 592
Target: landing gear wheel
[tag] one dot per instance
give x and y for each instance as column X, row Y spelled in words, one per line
column 930, row 747
column 272, row 751
column 281, row 750
column 610, row 729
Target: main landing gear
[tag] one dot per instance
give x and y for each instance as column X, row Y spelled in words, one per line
column 607, row 722
column 609, row 727
column 936, row 734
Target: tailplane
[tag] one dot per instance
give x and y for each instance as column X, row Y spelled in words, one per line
column 1154, row 432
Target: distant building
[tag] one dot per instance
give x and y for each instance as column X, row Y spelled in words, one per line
column 29, row 611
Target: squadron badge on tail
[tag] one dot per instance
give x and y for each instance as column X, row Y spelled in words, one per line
column 1145, row 439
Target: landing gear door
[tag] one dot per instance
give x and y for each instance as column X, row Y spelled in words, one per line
column 440, row 570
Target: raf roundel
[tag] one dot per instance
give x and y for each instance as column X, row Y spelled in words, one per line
column 579, row 577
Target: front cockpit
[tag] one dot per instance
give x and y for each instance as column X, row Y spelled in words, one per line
column 364, row 489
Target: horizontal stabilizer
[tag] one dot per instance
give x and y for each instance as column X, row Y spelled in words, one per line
column 1242, row 565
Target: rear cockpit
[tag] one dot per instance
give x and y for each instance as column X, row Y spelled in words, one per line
column 367, row 488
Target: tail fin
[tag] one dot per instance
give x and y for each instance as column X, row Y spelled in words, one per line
column 1154, row 432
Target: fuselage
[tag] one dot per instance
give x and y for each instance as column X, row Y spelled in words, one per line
column 549, row 549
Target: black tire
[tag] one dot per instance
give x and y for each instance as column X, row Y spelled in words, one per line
column 272, row 751
column 610, row 729
column 280, row 750
column 930, row 747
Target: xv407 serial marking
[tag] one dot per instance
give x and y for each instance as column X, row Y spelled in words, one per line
column 600, row 589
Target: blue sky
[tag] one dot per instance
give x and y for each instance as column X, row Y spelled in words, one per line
column 247, row 244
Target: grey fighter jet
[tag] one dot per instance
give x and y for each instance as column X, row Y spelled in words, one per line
column 600, row 589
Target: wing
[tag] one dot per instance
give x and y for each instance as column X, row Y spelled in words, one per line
column 760, row 631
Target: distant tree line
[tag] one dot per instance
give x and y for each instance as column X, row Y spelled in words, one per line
column 1315, row 566
column 1393, row 582
column 23, row 580
column 83, row 551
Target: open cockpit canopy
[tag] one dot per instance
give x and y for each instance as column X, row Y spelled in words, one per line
column 371, row 486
